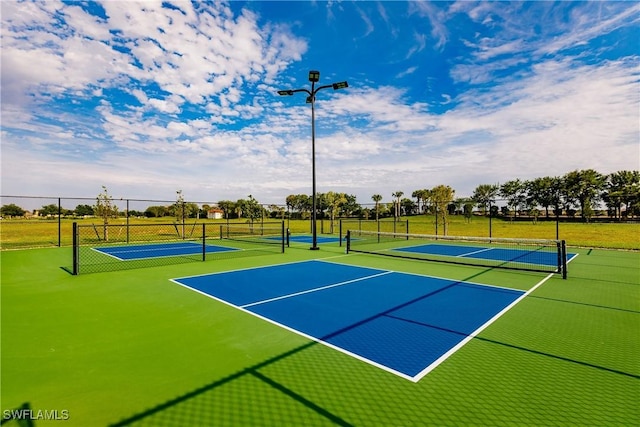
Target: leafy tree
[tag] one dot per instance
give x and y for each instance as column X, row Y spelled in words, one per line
column 12, row 210
column 468, row 210
column 277, row 211
column 623, row 188
column 485, row 195
column 321, row 204
column 250, row 208
column 183, row 210
column 228, row 207
column 300, row 203
column 49, row 210
column 84, row 210
column 350, row 206
column 442, row 196
column 586, row 187
column 333, row 202
column 460, row 202
column 515, row 193
column 105, row 209
column 155, row 211
column 408, row 205
column 543, row 192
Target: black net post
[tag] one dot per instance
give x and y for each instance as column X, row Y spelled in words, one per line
column 564, row 259
column 348, row 240
column 283, row 237
column 75, row 249
column 204, row 242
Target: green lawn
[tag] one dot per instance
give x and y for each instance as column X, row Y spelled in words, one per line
column 45, row 233
column 132, row 347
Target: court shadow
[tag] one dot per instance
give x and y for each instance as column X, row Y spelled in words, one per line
column 516, row 347
column 247, row 397
column 606, row 307
column 18, row 417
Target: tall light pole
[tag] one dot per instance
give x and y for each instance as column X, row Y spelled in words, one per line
column 314, row 77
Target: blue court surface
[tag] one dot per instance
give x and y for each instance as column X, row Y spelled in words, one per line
column 158, row 250
column 545, row 258
column 309, row 239
column 404, row 323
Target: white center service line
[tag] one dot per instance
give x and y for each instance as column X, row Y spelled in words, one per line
column 475, row 252
column 315, row 289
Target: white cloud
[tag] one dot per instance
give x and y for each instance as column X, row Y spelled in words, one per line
column 200, row 111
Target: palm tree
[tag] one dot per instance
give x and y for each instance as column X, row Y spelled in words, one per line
column 421, row 196
column 397, row 196
column 376, row 198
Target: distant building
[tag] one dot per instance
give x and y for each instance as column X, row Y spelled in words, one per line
column 215, row 213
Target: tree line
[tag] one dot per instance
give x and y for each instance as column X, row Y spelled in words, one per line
column 582, row 191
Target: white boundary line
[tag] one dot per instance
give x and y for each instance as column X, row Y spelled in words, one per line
column 106, row 254
column 458, row 281
column 474, row 252
column 179, row 244
column 239, row 269
column 469, row 337
column 315, row 289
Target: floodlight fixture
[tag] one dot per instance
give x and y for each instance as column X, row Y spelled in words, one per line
column 340, row 85
column 285, row 92
column 314, row 76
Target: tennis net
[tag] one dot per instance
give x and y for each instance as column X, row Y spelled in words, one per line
column 258, row 234
column 98, row 248
column 522, row 254
column 382, row 225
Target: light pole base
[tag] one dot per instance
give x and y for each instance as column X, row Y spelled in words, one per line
column 314, row 248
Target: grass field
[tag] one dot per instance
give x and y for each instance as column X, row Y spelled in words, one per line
column 17, row 234
column 132, row 348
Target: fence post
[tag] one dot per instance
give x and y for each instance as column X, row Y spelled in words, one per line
column 490, row 216
column 127, row 215
column 59, row 222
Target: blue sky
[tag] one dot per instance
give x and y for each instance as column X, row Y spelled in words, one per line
column 148, row 98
